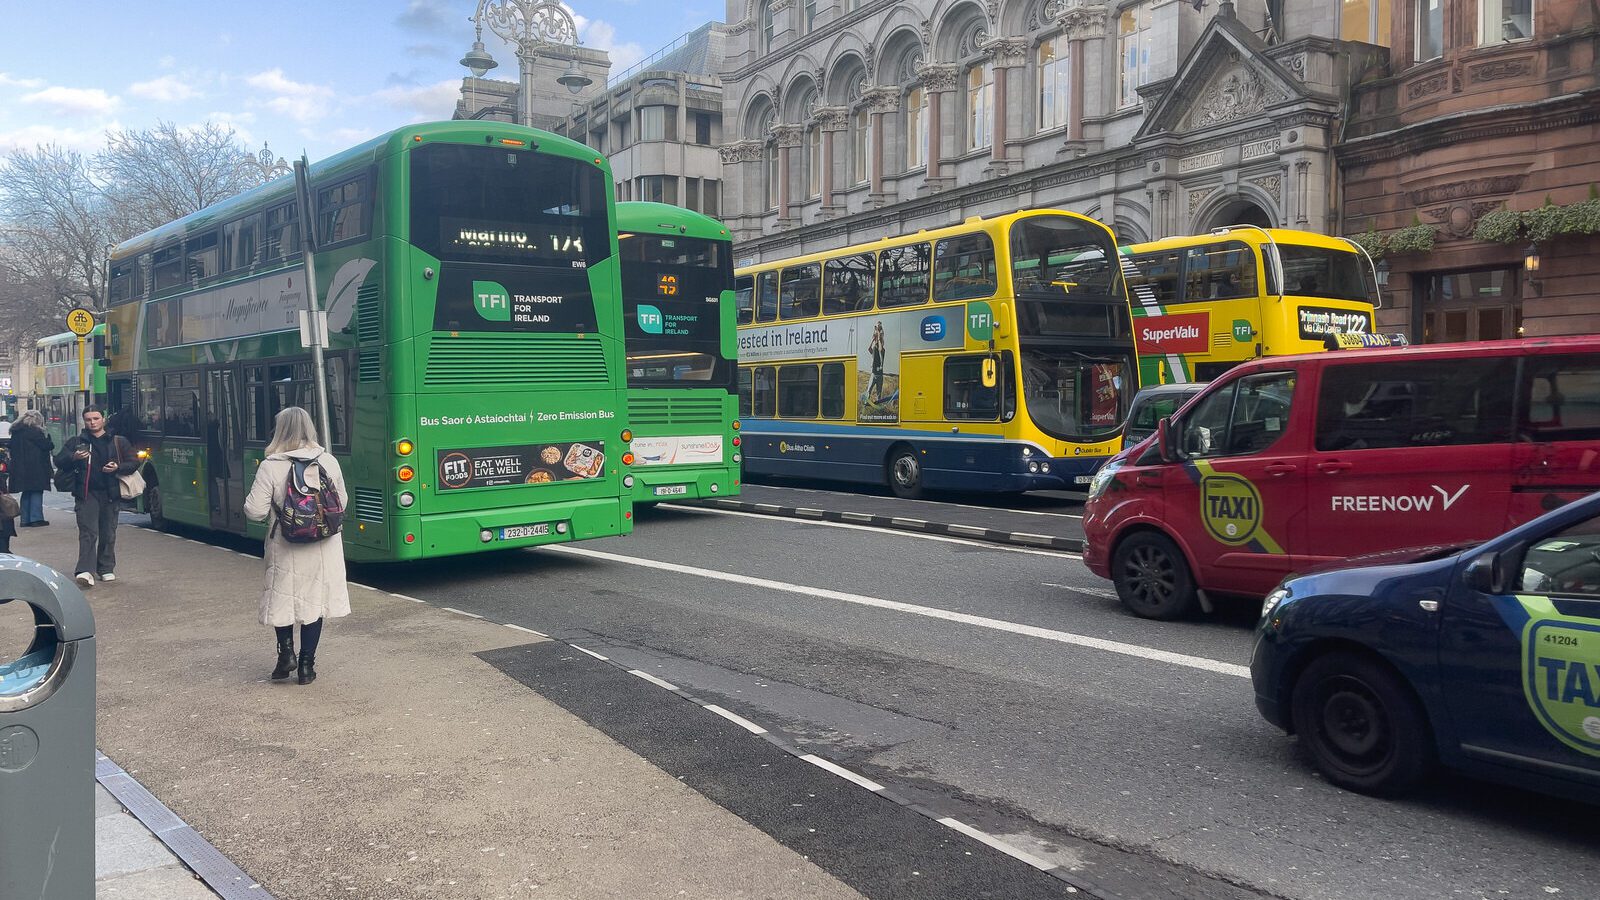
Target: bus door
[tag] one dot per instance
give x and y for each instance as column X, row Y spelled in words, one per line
column 1241, row 497
column 224, row 461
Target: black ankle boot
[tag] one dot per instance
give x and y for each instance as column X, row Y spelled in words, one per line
column 286, row 659
column 308, row 668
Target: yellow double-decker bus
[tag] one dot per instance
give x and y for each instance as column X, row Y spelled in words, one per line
column 1205, row 303
column 993, row 355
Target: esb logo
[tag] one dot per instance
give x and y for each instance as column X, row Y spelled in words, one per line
column 1160, row 335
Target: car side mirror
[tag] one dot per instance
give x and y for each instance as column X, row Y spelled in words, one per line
column 1486, row 574
column 1164, row 439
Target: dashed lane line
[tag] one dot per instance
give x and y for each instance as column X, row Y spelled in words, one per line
column 842, row 772
column 814, row 520
column 653, row 679
column 588, row 651
column 1064, row 637
column 736, row 719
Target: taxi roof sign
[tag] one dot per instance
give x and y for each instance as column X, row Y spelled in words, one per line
column 1364, row 341
column 80, row 321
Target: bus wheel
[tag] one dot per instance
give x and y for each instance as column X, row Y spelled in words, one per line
column 1361, row 724
column 905, row 473
column 1152, row 578
column 152, row 505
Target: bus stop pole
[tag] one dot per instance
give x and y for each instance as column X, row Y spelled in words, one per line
column 83, row 375
column 318, row 326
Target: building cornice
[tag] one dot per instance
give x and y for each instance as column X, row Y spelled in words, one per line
column 1568, row 110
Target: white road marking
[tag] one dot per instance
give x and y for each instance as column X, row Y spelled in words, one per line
column 406, row 597
column 983, row 545
column 857, row 498
column 461, row 612
column 1002, row 846
column 1064, row 637
column 1091, row 591
column 842, row 772
column 528, row 630
column 365, row 587
column 590, row 652
column 736, row 719
column 652, row 679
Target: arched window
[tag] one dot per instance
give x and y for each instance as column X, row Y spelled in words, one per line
column 861, row 145
column 980, row 106
column 1055, row 95
column 814, row 161
column 769, row 152
column 916, row 129
column 766, row 28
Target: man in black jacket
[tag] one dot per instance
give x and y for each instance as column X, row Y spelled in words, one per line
column 95, row 458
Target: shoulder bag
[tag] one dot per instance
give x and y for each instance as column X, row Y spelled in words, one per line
column 131, row 485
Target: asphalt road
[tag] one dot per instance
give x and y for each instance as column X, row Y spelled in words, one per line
column 1006, row 688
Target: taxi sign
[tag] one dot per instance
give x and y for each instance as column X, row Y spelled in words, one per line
column 80, row 321
column 1364, row 341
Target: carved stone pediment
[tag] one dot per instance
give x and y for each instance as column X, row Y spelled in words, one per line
column 1227, row 78
column 1237, row 92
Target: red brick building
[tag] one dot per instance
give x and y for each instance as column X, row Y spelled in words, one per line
column 1481, row 105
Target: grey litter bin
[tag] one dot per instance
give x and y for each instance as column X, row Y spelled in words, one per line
column 47, row 741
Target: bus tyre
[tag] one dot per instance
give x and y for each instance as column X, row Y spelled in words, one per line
column 1361, row 724
column 1152, row 577
column 905, row 473
column 152, row 505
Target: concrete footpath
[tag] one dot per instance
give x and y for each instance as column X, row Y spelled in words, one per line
column 410, row 769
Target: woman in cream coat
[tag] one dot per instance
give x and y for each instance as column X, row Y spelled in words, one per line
column 305, row 582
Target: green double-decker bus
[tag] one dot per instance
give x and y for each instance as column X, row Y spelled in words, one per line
column 678, row 303
column 474, row 367
column 57, row 393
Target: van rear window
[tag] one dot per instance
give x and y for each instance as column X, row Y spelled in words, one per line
column 1561, row 398
column 1415, row 404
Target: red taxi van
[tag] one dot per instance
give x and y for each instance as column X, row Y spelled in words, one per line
column 1289, row 464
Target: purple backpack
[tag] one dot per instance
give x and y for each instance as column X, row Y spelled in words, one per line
column 309, row 514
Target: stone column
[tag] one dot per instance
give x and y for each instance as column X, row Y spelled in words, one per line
column 832, row 121
column 788, row 137
column 1081, row 22
column 745, row 159
column 938, row 82
column 1008, row 54
column 880, row 102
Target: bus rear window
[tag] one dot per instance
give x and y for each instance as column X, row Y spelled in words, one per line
column 489, row 204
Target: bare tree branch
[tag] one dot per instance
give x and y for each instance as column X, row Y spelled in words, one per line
column 165, row 173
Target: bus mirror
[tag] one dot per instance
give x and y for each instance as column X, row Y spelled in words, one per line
column 97, row 346
column 728, row 300
column 989, row 372
column 1164, row 439
column 1002, row 319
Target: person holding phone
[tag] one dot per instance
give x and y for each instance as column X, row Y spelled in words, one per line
column 94, row 459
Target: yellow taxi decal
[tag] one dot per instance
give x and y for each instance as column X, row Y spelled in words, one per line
column 1561, row 673
column 1231, row 509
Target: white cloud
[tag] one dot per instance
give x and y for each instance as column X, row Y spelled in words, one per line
column 425, row 103
column 601, row 35
column 305, row 103
column 166, row 89
column 30, row 136
column 73, row 101
column 9, row 81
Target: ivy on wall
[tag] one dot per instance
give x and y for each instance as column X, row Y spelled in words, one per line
column 1549, row 221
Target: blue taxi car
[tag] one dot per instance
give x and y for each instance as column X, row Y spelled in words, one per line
column 1485, row 660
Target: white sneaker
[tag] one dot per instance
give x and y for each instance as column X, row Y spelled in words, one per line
column 85, row 579
column 109, row 576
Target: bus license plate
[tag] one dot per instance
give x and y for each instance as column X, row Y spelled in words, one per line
column 1083, row 479
column 672, row 490
column 524, row 531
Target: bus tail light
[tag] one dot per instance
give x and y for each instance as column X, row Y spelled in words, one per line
column 736, row 440
column 627, row 481
column 143, row 454
column 627, row 459
column 735, row 424
column 411, row 538
column 404, row 447
column 405, row 474
column 627, row 435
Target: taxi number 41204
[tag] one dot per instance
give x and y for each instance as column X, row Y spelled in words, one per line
column 1565, row 640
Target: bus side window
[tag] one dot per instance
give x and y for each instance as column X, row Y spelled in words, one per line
column 1158, row 278
column 767, row 296
column 965, row 397
column 745, row 406
column 800, row 296
column 1222, row 271
column 964, row 268
column 764, row 393
column 903, row 276
column 797, row 392
column 744, row 288
column 833, row 390
column 847, row 284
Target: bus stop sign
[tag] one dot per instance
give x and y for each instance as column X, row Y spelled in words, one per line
column 80, row 321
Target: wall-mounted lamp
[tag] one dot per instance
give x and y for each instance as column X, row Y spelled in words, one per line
column 1530, row 269
column 1383, row 273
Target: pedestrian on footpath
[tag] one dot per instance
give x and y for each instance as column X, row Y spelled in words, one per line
column 30, row 466
column 91, row 463
column 305, row 581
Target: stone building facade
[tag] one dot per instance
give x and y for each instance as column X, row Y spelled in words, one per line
column 1482, row 106
column 849, row 120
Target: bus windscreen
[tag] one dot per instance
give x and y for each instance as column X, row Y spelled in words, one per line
column 672, row 295
column 1318, row 272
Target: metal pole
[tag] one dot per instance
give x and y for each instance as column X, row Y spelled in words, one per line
column 83, row 375
column 308, row 252
column 525, row 62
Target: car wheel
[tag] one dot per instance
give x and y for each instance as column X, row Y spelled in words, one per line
column 905, row 473
column 1361, row 724
column 1152, row 577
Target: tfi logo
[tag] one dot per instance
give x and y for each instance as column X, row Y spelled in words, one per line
column 650, row 321
column 492, row 300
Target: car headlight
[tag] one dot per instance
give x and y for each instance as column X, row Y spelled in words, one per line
column 1102, row 479
column 1277, row 596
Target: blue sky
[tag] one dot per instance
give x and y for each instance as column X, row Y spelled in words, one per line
column 298, row 75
